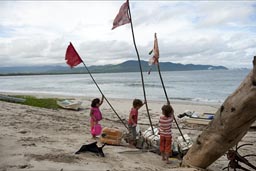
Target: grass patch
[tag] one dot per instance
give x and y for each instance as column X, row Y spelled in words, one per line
column 49, row 103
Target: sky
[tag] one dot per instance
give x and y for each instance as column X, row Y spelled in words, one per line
column 198, row 32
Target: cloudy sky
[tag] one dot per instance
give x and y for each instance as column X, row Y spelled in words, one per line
column 198, row 32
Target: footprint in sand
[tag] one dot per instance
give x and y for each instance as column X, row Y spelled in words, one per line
column 30, row 144
column 25, row 166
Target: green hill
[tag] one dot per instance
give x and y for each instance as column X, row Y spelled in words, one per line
column 127, row 66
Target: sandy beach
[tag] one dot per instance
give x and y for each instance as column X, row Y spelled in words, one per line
column 33, row 138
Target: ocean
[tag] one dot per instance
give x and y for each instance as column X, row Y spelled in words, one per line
column 211, row 86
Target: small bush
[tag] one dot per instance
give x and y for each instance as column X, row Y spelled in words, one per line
column 49, row 103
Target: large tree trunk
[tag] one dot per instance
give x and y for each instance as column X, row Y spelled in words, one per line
column 231, row 123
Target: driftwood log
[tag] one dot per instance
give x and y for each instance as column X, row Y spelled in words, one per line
column 232, row 121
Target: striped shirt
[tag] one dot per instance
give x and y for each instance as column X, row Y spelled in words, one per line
column 165, row 126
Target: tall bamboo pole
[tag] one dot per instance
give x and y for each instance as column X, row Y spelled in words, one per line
column 168, row 101
column 141, row 73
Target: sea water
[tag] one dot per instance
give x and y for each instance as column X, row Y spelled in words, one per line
column 211, row 86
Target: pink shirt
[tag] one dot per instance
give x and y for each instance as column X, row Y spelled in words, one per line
column 134, row 116
column 96, row 113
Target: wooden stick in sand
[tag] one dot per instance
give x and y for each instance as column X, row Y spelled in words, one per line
column 141, row 73
column 167, row 99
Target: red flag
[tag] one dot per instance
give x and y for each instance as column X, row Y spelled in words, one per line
column 72, row 57
column 122, row 16
column 154, row 59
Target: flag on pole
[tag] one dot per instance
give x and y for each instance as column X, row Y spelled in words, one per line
column 122, row 16
column 72, row 57
column 155, row 50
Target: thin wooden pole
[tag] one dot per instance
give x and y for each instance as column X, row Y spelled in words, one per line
column 160, row 75
column 168, row 101
column 141, row 73
column 104, row 96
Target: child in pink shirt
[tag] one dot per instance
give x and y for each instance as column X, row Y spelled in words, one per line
column 95, row 113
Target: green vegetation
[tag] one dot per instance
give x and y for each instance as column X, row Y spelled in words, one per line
column 49, row 103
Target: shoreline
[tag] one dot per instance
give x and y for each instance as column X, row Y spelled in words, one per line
column 123, row 106
column 59, row 95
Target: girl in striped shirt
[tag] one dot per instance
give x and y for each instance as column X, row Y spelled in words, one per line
column 165, row 125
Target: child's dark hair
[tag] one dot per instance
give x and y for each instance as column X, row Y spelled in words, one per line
column 137, row 103
column 95, row 102
column 167, row 110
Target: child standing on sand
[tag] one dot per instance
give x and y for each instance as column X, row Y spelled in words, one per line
column 95, row 113
column 165, row 126
column 133, row 119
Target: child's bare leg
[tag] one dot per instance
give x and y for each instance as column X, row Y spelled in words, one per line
column 167, row 155
column 163, row 156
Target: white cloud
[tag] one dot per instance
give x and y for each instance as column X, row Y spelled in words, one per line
column 38, row 32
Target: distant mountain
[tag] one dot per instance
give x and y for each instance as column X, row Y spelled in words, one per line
column 133, row 66
column 127, row 66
